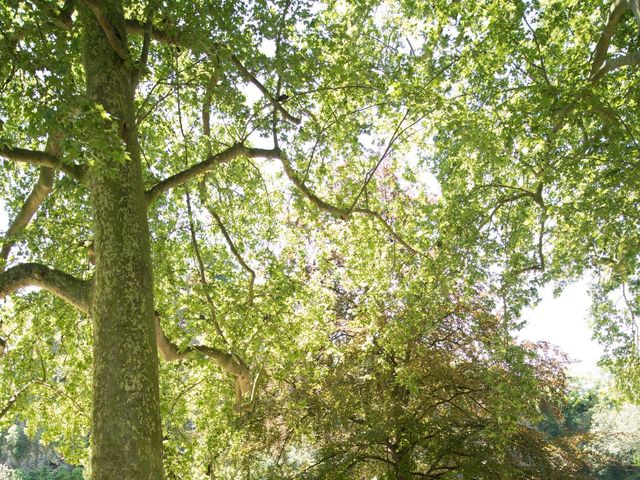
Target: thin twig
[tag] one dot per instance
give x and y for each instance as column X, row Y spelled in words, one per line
column 201, row 270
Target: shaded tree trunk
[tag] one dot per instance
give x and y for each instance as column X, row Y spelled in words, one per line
column 403, row 465
column 126, row 426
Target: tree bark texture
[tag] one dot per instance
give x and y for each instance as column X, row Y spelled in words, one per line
column 126, row 426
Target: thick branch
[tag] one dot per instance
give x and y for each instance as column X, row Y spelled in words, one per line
column 229, row 362
column 627, row 60
column 40, row 191
column 211, row 162
column 110, row 32
column 43, row 159
column 63, row 285
column 618, row 9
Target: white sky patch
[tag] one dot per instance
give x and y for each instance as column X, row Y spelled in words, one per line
column 564, row 322
column 4, row 219
column 268, row 47
column 428, row 179
column 252, row 93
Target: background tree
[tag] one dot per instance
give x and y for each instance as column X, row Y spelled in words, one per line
column 388, row 400
column 537, row 157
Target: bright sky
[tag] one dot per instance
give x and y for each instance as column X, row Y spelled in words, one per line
column 564, row 321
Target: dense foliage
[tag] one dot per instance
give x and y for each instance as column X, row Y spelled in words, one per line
column 348, row 205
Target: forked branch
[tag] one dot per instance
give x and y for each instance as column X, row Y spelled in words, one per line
column 600, row 65
column 618, row 9
column 258, row 84
column 202, row 273
column 627, row 60
column 113, row 36
column 337, row 212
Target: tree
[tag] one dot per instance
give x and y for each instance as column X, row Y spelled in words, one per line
column 606, row 430
column 536, row 157
column 452, row 401
column 153, row 129
column 117, row 104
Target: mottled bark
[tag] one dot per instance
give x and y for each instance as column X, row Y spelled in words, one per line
column 126, row 427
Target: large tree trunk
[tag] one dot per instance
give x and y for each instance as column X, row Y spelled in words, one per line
column 126, row 427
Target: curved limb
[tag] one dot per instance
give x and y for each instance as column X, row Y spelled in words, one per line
column 40, row 191
column 229, row 362
column 618, row 9
column 67, row 287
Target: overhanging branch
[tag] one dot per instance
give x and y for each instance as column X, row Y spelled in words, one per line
column 337, row 212
column 274, row 101
column 64, row 20
column 42, row 159
column 211, row 162
column 69, row 288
